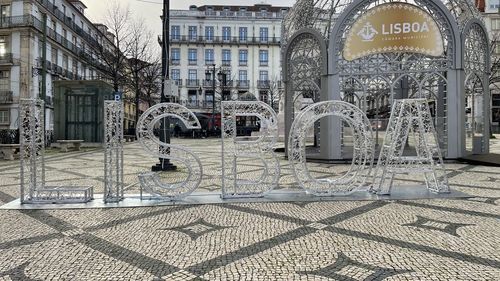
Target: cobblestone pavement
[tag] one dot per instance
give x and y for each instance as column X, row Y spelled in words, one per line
column 342, row 240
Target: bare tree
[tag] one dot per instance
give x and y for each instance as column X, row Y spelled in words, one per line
column 113, row 56
column 276, row 93
column 141, row 57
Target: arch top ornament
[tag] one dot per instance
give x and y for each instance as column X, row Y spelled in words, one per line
column 446, row 23
column 294, row 41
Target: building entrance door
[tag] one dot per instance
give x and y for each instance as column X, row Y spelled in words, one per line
column 81, row 117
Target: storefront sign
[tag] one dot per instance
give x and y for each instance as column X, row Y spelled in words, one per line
column 393, row 27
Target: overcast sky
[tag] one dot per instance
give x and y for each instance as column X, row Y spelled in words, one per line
column 151, row 12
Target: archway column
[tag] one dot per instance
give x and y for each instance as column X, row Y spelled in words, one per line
column 486, row 113
column 456, row 114
column 331, row 128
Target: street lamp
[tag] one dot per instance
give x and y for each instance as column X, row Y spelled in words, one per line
column 209, row 76
column 165, row 164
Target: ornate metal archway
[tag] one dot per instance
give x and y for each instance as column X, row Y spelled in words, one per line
column 441, row 79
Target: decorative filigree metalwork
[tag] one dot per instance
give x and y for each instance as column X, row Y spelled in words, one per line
column 151, row 181
column 113, row 151
column 259, row 148
column 410, row 117
column 32, row 146
column 362, row 154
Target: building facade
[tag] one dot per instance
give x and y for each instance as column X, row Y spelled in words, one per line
column 42, row 41
column 491, row 13
column 234, row 48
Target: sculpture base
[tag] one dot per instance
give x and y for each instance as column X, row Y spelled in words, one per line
column 166, row 166
column 403, row 192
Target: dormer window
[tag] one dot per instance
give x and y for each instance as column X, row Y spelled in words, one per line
column 243, row 9
column 226, row 9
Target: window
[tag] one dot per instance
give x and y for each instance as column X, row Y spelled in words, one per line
column 193, row 33
column 226, row 57
column 263, row 57
column 54, row 56
column 263, row 96
column 175, row 32
column 4, row 46
column 243, row 34
column 226, row 33
column 175, row 55
column 242, row 75
column 495, row 24
column 192, row 56
column 4, row 80
column 209, row 33
column 64, row 10
column 4, row 116
column 65, row 61
column 209, row 56
column 264, row 34
column 175, row 74
column 243, row 57
column 263, row 75
column 192, row 74
column 5, row 13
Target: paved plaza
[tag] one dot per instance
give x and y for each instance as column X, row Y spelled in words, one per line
column 439, row 239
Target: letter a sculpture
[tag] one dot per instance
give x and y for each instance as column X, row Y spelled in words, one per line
column 410, row 117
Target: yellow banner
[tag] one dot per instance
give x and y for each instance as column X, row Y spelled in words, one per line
column 393, row 28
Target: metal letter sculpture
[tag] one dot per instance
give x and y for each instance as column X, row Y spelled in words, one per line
column 113, row 151
column 151, row 181
column 362, row 154
column 32, row 146
column 261, row 148
column 410, row 116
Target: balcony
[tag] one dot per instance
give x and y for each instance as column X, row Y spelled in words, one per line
column 243, row 84
column 31, row 21
column 178, row 82
column 193, row 62
column 6, row 59
column 229, row 84
column 208, row 83
column 232, row 40
column 243, row 62
column 263, row 63
column 192, row 83
column 6, row 97
column 175, row 62
column 226, row 62
column 196, row 104
column 263, row 84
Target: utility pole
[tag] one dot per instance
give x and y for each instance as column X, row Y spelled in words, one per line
column 165, row 164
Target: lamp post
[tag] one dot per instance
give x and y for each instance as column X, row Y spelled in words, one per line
column 165, row 164
column 209, row 76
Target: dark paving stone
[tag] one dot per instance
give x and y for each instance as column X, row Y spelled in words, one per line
column 443, row 226
column 331, row 271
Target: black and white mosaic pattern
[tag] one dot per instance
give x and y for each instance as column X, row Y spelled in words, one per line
column 440, row 239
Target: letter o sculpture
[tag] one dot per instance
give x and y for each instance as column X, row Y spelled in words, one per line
column 150, row 181
column 362, row 154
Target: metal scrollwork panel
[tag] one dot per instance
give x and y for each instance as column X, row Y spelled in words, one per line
column 410, row 118
column 32, row 142
column 113, row 151
column 362, row 153
column 151, row 181
column 235, row 181
column 32, row 146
